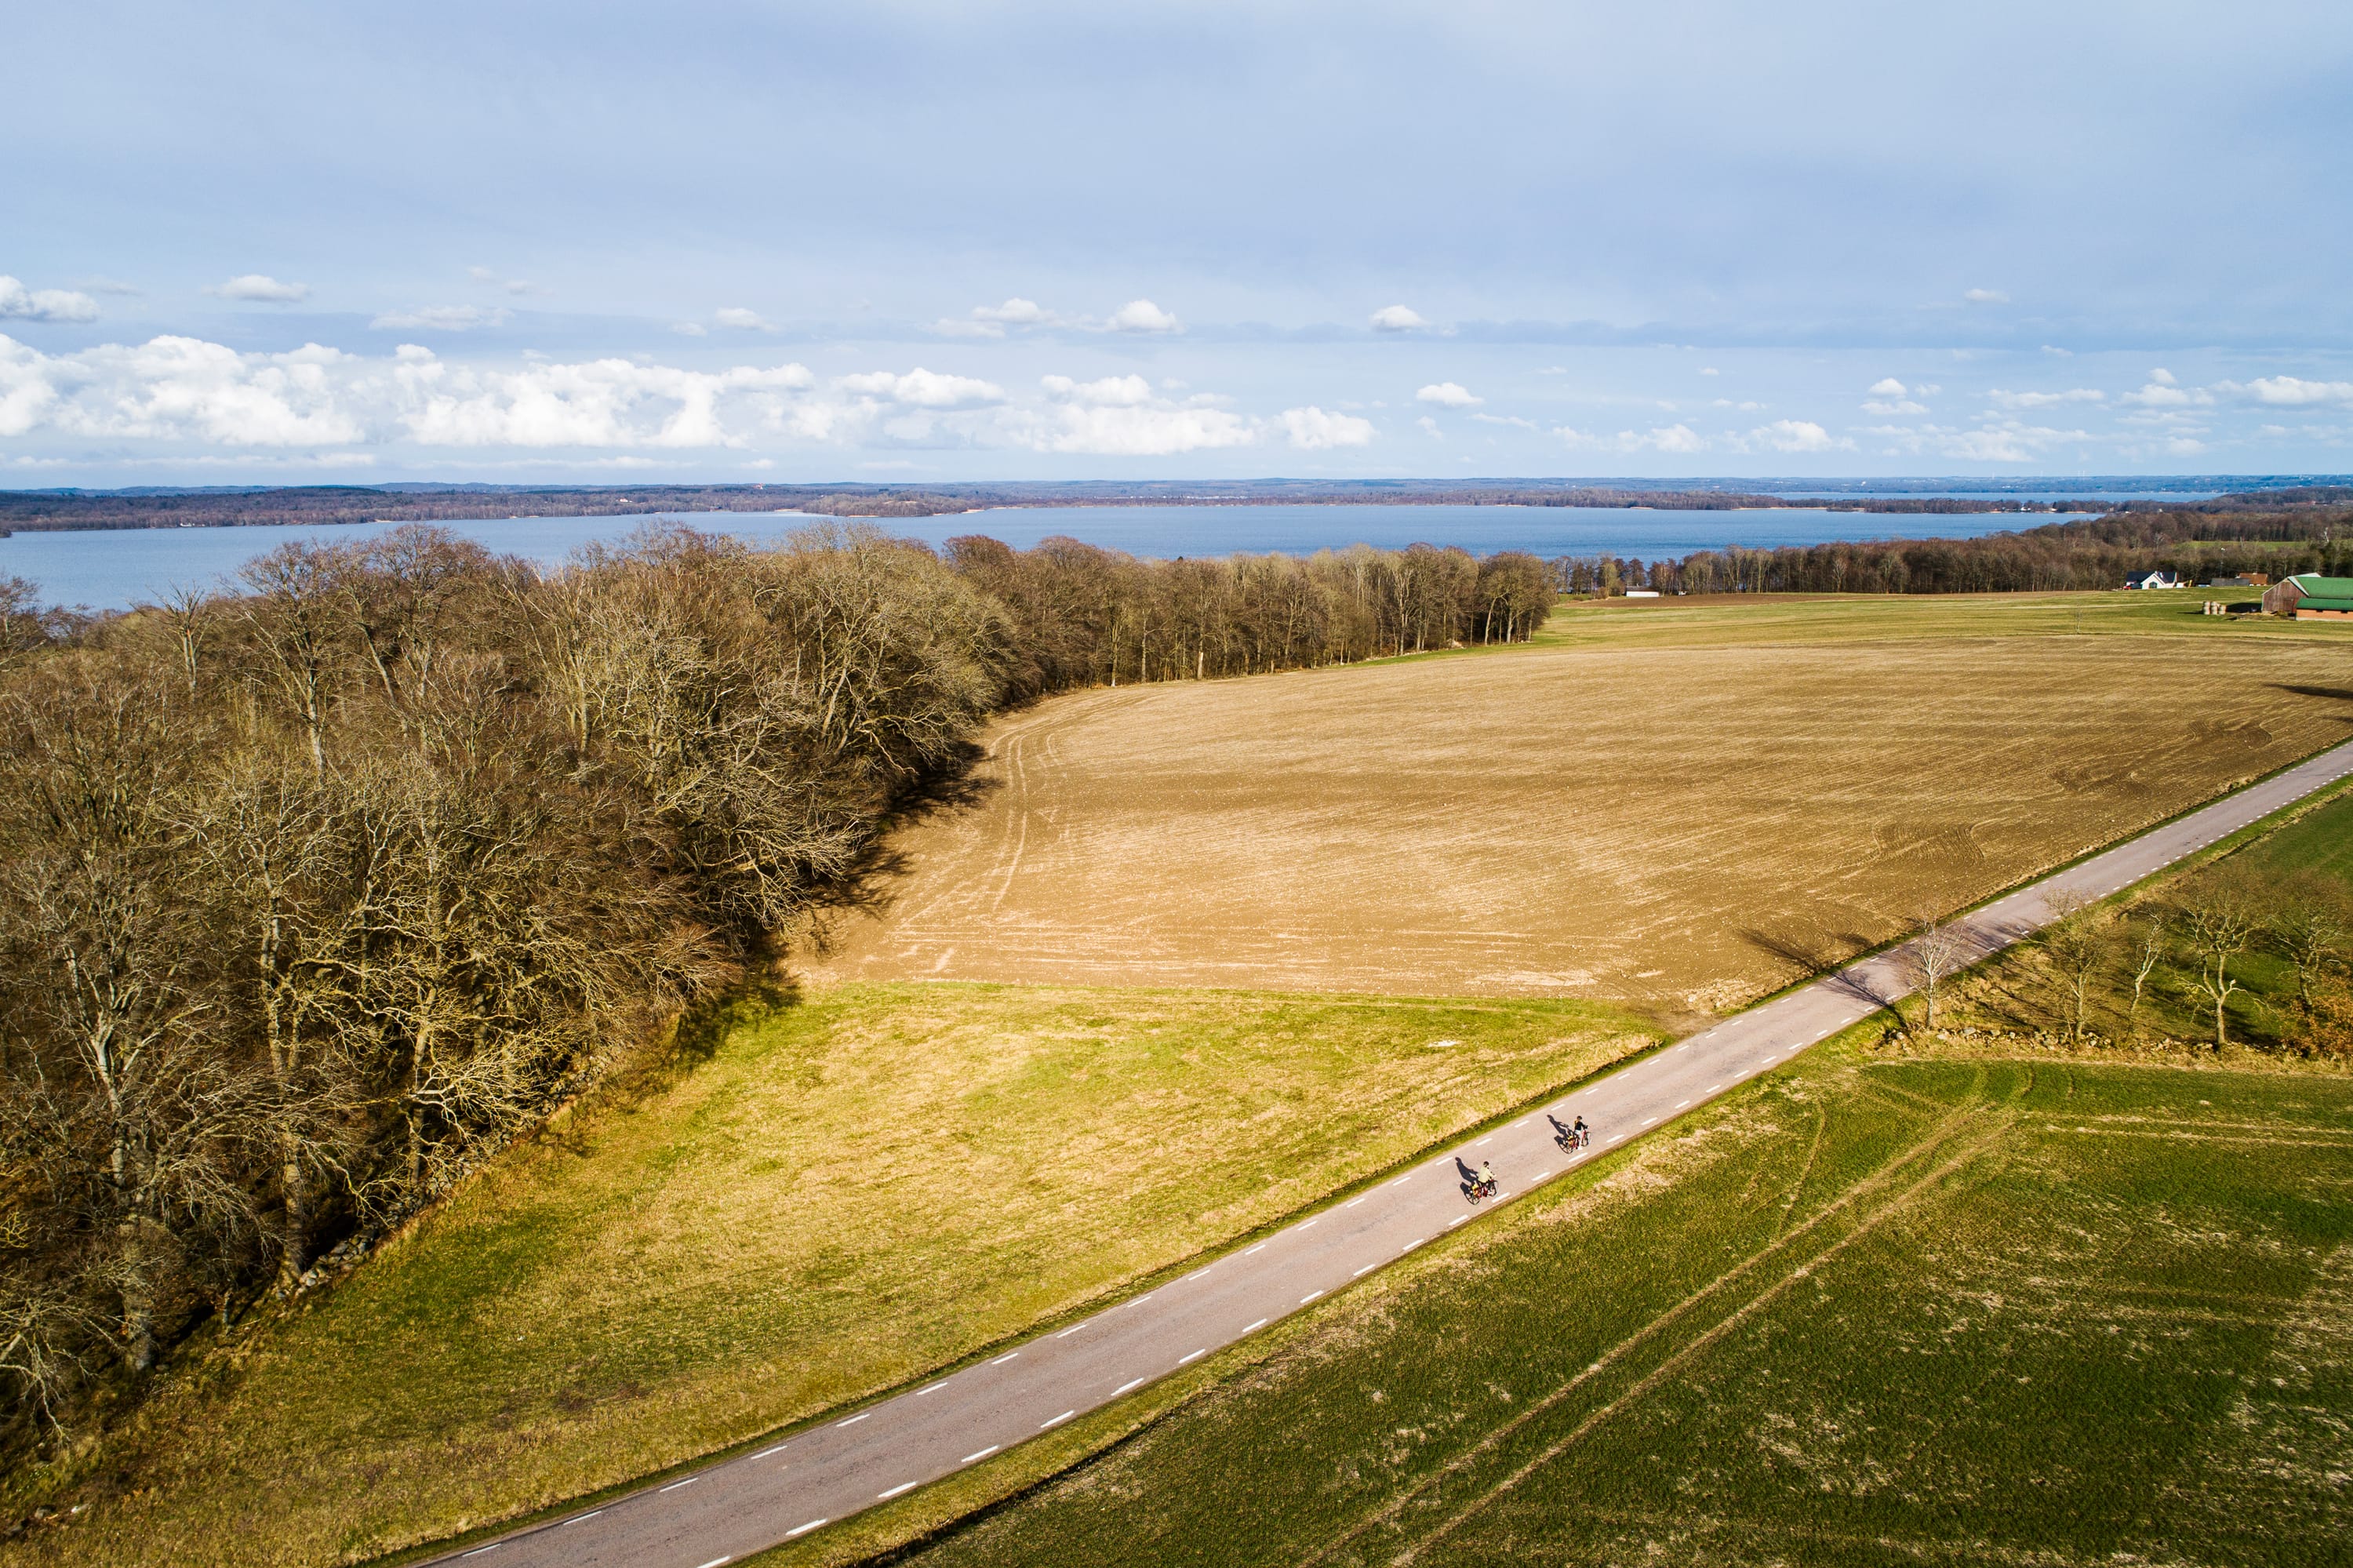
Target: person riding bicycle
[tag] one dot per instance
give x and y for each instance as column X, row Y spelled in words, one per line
column 1487, row 1174
column 1577, row 1134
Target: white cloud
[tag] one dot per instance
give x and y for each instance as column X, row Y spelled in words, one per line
column 1311, row 429
column 1143, row 316
column 200, row 403
column 1796, row 436
column 512, row 285
column 1431, row 425
column 990, row 321
column 1513, row 419
column 179, row 388
column 1448, row 395
column 2185, row 446
column 924, row 388
column 18, row 303
column 1996, row 440
column 441, row 318
column 2292, row 391
column 1117, row 391
column 1889, row 396
column 2001, row 399
column 596, row 403
column 742, row 320
column 2163, row 391
column 2057, row 353
column 1398, row 318
column 1709, row 370
column 261, row 288
column 1676, row 438
column 690, row 328
column 1015, row 312
column 1986, row 297
column 1119, row 416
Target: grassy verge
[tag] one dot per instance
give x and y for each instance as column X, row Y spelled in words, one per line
column 2303, row 862
column 849, row 1194
column 1864, row 1312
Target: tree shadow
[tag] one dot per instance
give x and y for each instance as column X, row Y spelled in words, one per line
column 2338, row 693
column 1823, row 957
column 869, row 885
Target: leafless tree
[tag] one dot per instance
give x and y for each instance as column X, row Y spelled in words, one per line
column 293, row 611
column 2310, row 929
column 1935, row 952
column 2148, row 952
column 2220, row 918
column 2079, row 949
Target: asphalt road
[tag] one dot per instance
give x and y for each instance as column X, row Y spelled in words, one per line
column 822, row 1476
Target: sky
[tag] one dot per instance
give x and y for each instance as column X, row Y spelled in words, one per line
column 248, row 243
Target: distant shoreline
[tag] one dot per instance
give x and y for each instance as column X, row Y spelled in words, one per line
column 315, row 505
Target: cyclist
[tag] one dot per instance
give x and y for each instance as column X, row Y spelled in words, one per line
column 1577, row 1134
column 1487, row 1175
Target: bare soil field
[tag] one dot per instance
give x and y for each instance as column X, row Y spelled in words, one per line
column 1648, row 806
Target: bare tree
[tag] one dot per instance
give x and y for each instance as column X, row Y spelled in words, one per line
column 294, row 611
column 2080, row 950
column 2146, row 954
column 2220, row 918
column 2310, row 929
column 1938, row 951
column 194, row 616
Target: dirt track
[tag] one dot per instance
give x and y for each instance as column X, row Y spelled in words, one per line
column 1684, row 825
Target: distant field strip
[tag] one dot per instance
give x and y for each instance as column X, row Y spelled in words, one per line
column 1691, row 826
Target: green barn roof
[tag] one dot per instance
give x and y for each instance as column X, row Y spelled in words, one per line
column 2312, row 585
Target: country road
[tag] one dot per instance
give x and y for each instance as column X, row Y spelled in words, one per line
column 793, row 1487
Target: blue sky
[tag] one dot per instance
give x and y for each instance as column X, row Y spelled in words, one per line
column 248, row 243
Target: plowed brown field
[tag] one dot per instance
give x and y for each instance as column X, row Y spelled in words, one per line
column 1690, row 826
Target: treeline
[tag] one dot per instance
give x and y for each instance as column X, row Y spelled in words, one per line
column 315, row 892
column 2093, row 554
column 1087, row 616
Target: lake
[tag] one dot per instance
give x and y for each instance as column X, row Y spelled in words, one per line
column 115, row 569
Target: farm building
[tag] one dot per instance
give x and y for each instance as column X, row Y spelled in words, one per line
column 2153, row 580
column 2247, row 579
column 2308, row 596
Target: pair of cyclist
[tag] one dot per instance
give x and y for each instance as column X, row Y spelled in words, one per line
column 1577, row 1136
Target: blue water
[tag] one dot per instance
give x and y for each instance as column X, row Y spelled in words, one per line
column 115, row 569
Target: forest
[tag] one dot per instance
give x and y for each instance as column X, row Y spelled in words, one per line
column 316, row 891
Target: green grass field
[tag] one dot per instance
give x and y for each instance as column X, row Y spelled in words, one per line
column 851, row 1192
column 1863, row 1312
column 1714, row 619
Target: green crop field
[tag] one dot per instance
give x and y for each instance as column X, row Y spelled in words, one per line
column 1717, row 619
column 1865, row 1312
